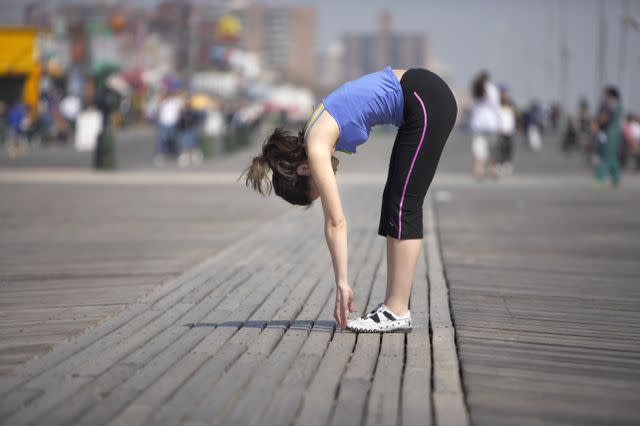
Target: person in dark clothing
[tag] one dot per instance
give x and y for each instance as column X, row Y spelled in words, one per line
column 188, row 123
column 570, row 139
column 608, row 125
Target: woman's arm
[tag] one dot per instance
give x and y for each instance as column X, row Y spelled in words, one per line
column 335, row 224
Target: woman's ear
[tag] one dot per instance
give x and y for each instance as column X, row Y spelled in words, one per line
column 303, row 169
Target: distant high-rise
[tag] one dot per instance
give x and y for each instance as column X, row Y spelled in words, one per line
column 283, row 37
column 368, row 52
column 331, row 64
column 172, row 21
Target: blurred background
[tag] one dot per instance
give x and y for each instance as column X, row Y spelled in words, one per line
column 197, row 79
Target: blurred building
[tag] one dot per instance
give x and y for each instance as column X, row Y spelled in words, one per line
column 368, row 52
column 331, row 65
column 172, row 22
column 283, row 37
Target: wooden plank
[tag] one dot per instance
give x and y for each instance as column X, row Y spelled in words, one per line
column 448, row 395
column 416, row 402
column 355, row 383
column 384, row 398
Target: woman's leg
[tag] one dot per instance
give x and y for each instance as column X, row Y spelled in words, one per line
column 430, row 112
column 402, row 258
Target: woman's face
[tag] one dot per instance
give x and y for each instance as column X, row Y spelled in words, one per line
column 313, row 188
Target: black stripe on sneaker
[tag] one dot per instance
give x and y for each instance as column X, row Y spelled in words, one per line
column 388, row 315
column 375, row 317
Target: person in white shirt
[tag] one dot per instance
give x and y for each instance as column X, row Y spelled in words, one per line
column 168, row 114
column 485, row 124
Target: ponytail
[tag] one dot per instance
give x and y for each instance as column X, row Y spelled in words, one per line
column 257, row 175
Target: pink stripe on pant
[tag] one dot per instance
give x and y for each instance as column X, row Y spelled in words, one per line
column 406, row 182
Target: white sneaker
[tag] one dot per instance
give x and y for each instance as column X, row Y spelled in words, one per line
column 381, row 320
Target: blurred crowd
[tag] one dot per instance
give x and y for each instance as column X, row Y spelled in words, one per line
column 75, row 73
column 185, row 120
column 608, row 139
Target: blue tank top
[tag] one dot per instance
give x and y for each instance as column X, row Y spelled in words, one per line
column 360, row 104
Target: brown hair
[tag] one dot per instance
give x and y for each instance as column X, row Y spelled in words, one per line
column 282, row 152
column 478, row 88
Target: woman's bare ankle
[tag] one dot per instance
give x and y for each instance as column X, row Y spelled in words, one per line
column 399, row 310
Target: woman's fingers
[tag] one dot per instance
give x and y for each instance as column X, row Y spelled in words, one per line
column 344, row 305
column 345, row 310
column 336, row 312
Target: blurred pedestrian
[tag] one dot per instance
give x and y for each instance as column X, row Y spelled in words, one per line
column 533, row 126
column 45, row 118
column 555, row 114
column 70, row 107
column 585, row 137
column 570, row 138
column 504, row 162
column 190, row 153
column 608, row 126
column 168, row 114
column 631, row 131
column 214, row 128
column 16, row 119
column 485, row 123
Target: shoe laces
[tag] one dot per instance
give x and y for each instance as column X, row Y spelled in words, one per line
column 373, row 311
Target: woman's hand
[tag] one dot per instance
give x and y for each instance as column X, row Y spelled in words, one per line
column 344, row 304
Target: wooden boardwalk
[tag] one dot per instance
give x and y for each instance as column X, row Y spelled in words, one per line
column 525, row 304
column 248, row 337
column 545, row 293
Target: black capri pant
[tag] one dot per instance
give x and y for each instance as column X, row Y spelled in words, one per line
column 429, row 114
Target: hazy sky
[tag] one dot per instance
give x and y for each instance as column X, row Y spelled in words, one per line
column 518, row 41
